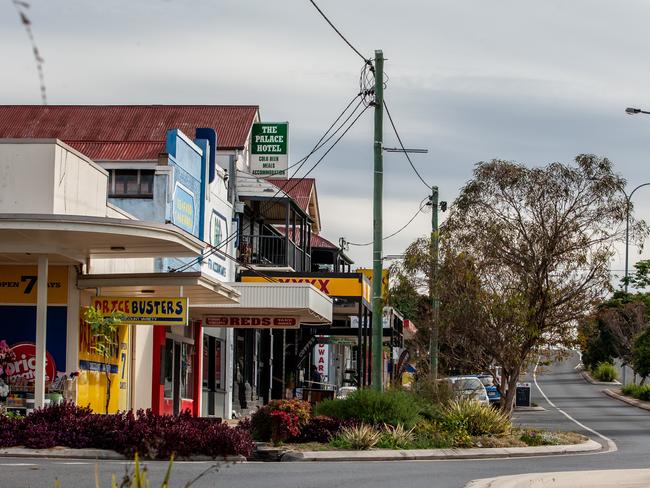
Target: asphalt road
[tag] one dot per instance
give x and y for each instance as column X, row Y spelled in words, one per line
column 629, row 427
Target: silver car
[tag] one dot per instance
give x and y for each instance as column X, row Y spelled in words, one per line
column 469, row 387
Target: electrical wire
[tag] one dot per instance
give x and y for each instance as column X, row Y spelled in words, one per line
column 271, row 201
column 322, row 142
column 403, row 148
column 339, row 32
column 422, row 205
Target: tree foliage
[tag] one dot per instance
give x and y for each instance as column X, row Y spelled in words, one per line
column 640, row 356
column 525, row 256
column 540, row 240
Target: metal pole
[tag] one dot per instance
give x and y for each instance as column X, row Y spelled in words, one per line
column 433, row 286
column 377, row 332
column 627, row 238
column 41, row 332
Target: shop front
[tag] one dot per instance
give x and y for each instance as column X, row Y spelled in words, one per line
column 273, row 313
column 339, row 352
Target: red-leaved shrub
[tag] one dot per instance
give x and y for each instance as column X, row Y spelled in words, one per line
column 143, row 432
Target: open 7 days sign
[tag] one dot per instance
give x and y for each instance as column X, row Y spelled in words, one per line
column 270, row 149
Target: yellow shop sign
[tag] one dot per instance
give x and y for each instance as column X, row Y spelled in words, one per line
column 331, row 286
column 146, row 310
column 18, row 284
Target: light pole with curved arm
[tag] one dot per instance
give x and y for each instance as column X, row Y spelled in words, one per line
column 628, row 201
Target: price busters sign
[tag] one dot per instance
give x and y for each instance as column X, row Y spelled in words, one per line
column 150, row 310
column 270, row 149
column 252, row 322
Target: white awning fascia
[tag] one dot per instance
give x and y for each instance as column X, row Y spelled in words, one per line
column 198, row 287
column 80, row 237
column 275, row 299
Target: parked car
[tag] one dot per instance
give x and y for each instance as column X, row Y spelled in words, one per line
column 469, row 387
column 345, row 391
column 492, row 391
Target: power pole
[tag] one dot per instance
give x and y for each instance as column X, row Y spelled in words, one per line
column 433, row 286
column 377, row 309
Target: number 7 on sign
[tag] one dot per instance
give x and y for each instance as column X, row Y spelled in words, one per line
column 123, row 364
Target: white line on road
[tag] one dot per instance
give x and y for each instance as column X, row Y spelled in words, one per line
column 610, row 443
column 18, row 464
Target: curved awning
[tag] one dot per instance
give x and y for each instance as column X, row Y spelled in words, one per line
column 77, row 238
column 300, row 300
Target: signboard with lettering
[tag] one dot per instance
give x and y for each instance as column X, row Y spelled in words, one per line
column 145, row 310
column 384, row 279
column 215, row 262
column 183, row 209
column 18, row 284
column 252, row 322
column 24, row 366
column 322, row 359
column 93, row 368
column 335, row 287
column 270, row 149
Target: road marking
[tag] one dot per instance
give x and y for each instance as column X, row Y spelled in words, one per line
column 18, row 464
column 611, row 445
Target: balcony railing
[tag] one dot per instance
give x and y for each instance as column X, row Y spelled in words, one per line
column 273, row 251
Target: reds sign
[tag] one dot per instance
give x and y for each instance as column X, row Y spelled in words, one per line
column 252, row 322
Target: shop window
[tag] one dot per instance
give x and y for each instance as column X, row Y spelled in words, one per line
column 186, row 372
column 219, row 383
column 206, row 362
column 131, row 183
column 169, row 368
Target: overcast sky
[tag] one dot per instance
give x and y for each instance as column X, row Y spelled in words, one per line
column 470, row 80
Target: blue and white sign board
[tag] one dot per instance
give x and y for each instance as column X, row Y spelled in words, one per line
column 183, row 208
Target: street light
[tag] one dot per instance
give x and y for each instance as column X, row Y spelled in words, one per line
column 628, row 201
column 634, row 111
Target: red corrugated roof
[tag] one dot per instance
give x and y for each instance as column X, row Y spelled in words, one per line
column 316, row 240
column 119, row 151
column 300, row 189
column 125, row 131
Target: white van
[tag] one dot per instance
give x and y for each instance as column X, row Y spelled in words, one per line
column 469, row 387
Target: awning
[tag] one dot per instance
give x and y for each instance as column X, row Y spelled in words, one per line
column 300, row 300
column 198, row 287
column 74, row 238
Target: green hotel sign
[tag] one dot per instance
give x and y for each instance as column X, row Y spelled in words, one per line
column 270, row 149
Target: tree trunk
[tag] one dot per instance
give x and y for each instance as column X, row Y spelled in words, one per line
column 507, row 404
column 107, row 372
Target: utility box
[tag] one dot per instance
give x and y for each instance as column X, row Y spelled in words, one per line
column 522, row 397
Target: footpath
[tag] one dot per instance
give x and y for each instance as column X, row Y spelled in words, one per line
column 619, row 478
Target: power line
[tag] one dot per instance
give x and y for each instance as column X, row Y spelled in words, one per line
column 271, row 201
column 403, row 148
column 422, row 204
column 322, row 142
column 339, row 32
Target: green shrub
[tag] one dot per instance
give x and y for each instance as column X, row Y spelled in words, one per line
column 605, row 372
column 474, row 418
column 638, row 392
column 392, row 407
column 641, row 354
column 428, row 435
column 396, row 437
column 360, row 437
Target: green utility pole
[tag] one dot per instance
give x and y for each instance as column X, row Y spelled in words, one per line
column 433, row 286
column 377, row 309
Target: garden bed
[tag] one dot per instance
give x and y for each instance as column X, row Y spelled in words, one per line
column 395, row 420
